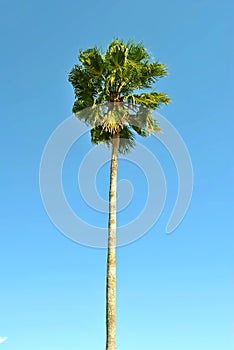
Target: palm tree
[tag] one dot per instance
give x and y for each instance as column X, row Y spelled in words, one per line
column 105, row 86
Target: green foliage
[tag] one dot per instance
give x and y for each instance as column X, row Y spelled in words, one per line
column 106, row 85
column 127, row 139
column 151, row 100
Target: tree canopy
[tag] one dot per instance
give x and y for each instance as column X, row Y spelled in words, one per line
column 112, row 92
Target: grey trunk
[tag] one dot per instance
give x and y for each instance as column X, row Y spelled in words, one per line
column 111, row 254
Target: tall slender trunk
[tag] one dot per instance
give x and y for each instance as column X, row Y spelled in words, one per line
column 111, row 254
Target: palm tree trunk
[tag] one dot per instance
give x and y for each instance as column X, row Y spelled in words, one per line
column 111, row 254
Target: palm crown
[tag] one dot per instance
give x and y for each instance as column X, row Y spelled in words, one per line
column 111, row 92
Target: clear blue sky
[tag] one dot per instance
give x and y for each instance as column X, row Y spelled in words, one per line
column 174, row 291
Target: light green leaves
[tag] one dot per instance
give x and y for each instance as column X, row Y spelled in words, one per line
column 117, row 54
column 92, row 61
column 151, row 100
column 106, row 85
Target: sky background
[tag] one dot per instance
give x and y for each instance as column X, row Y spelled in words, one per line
column 174, row 291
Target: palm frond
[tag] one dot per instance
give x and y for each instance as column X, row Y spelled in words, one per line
column 150, row 100
column 117, row 54
column 126, row 138
column 99, row 135
column 92, row 61
column 137, row 52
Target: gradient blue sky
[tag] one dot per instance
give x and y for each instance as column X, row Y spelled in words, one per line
column 174, row 292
